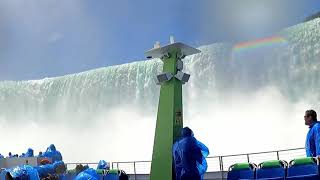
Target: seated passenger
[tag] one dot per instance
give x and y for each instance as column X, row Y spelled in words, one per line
column 56, row 168
column 189, row 157
column 103, row 165
column 24, row 172
column 87, row 174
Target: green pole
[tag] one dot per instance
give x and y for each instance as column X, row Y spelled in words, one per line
column 170, row 114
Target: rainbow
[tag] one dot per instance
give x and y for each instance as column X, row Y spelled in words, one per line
column 270, row 41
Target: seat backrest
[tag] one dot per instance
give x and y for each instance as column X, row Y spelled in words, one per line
column 241, row 174
column 111, row 177
column 271, row 169
column 241, row 171
column 302, row 170
column 303, row 167
column 271, row 173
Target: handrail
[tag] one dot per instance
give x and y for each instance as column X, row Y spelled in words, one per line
column 220, row 164
column 244, row 154
column 263, row 152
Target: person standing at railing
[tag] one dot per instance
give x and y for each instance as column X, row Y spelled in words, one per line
column 51, row 152
column 313, row 136
column 189, row 157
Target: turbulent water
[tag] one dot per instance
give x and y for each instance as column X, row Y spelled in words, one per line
column 244, row 101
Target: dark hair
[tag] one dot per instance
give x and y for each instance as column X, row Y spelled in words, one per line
column 312, row 113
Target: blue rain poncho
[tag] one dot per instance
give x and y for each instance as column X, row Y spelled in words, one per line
column 24, row 172
column 29, row 153
column 189, row 157
column 313, row 140
column 22, row 155
column 88, row 174
column 103, row 165
column 1, row 156
column 40, row 154
column 52, row 153
column 46, row 170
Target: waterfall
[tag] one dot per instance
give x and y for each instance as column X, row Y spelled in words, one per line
column 235, row 101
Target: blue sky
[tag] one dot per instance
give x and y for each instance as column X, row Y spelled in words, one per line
column 45, row 38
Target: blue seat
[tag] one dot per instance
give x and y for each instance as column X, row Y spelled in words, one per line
column 271, row 173
column 271, row 170
column 111, row 177
column 241, row 171
column 306, row 177
column 306, row 169
column 101, row 177
column 241, row 174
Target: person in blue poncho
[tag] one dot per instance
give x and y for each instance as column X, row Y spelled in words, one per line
column 189, row 157
column 40, row 154
column 1, row 156
column 313, row 136
column 22, row 155
column 56, row 168
column 52, row 153
column 29, row 153
column 103, row 165
column 87, row 174
column 24, row 172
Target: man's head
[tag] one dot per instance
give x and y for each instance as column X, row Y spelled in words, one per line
column 310, row 117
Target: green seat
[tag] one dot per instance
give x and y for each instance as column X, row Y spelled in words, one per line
column 241, row 166
column 113, row 171
column 100, row 171
column 271, row 164
column 303, row 161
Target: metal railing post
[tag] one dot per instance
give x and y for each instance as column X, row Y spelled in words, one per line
column 248, row 158
column 278, row 155
column 221, row 162
column 117, row 165
column 134, row 170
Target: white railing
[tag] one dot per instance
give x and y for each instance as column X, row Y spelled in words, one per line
column 215, row 163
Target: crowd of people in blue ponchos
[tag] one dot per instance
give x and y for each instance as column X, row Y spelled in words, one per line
column 52, row 163
column 189, row 156
column 51, row 152
column 52, row 168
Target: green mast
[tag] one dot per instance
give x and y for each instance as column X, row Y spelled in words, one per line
column 170, row 114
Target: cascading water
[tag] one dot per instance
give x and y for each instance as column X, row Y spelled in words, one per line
column 237, row 100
